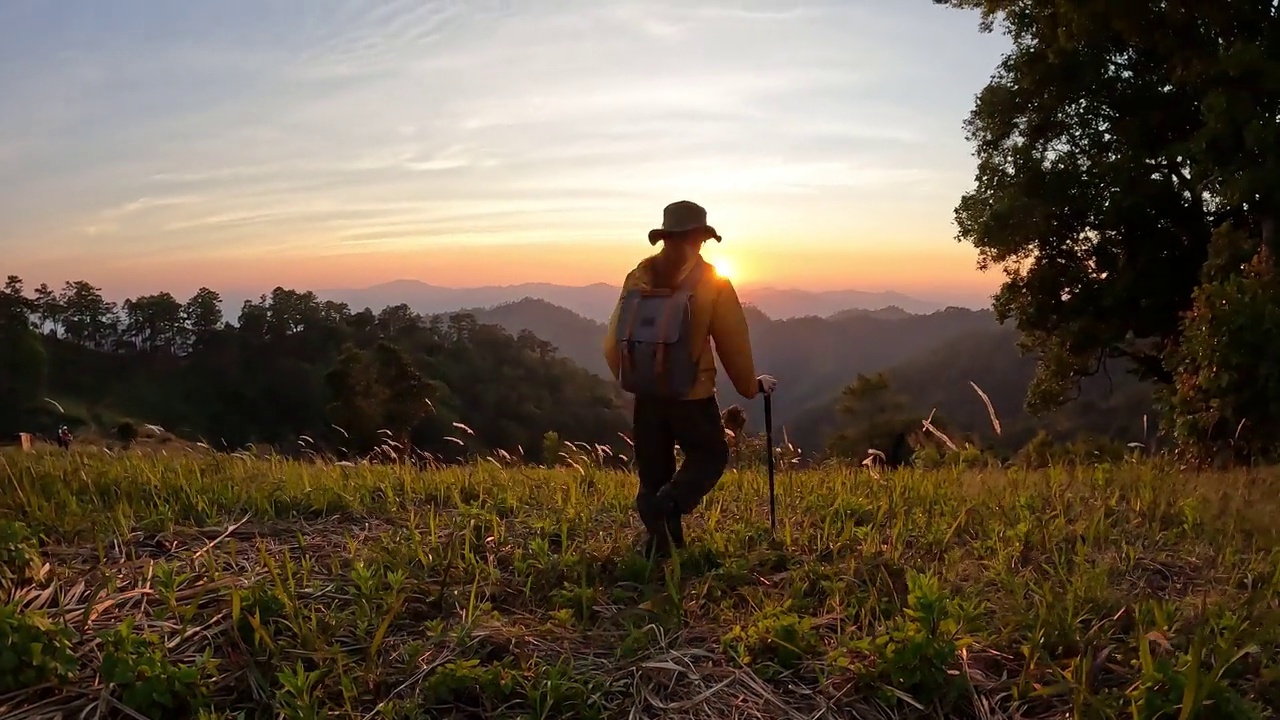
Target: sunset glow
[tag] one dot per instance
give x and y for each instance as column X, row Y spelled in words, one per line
column 726, row 269
column 241, row 146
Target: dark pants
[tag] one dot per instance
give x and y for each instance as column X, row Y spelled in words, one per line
column 659, row 425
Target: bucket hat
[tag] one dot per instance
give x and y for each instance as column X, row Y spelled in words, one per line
column 680, row 217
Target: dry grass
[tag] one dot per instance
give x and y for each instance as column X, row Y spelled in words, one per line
column 204, row 586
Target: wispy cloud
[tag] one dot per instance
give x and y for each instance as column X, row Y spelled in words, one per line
column 186, row 130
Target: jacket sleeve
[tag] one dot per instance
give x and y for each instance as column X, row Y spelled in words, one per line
column 733, row 340
column 611, row 346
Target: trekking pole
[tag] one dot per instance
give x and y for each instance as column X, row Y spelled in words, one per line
column 768, row 436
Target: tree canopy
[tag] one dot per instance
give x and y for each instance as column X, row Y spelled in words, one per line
column 1127, row 154
column 293, row 365
column 22, row 362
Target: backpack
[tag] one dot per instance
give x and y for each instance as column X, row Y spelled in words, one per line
column 655, row 341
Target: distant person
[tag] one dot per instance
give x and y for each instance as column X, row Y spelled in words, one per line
column 64, row 437
column 672, row 306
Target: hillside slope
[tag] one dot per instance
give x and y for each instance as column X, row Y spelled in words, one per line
column 1108, row 405
column 574, row 336
column 813, row 357
column 342, row 383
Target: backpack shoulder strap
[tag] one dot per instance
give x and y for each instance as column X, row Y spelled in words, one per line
column 694, row 276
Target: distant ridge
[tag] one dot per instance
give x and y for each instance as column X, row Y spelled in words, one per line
column 591, row 301
column 892, row 312
column 596, row 301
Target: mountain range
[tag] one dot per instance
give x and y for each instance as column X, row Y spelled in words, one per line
column 596, row 301
column 817, row 343
column 931, row 358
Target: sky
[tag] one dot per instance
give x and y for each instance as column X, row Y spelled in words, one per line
column 245, row 144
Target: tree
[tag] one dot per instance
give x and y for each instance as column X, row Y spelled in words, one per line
column 394, row 319
column 461, row 326
column 22, row 370
column 356, row 397
column 1113, row 142
column 154, row 322
column 254, row 319
column 875, row 416
column 202, row 314
column 22, row 362
column 88, row 318
column 1226, row 397
column 14, row 301
column 376, row 390
column 406, row 399
column 48, row 309
column 290, row 311
column 334, row 313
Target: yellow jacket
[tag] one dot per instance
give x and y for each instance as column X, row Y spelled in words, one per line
column 716, row 315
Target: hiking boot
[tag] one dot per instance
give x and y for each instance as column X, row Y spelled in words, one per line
column 674, row 527
column 657, row 546
column 660, row 541
column 661, row 518
column 653, row 518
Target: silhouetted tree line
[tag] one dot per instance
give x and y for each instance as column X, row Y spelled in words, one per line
column 292, row 365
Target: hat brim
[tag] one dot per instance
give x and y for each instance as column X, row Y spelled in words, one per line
column 661, row 233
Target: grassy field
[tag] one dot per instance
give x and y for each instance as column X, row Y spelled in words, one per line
column 221, row 586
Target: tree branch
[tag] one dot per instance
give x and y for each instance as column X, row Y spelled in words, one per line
column 1149, row 365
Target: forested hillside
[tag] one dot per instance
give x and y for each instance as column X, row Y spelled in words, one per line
column 813, row 357
column 930, row 359
column 1110, row 405
column 575, row 337
column 291, row 366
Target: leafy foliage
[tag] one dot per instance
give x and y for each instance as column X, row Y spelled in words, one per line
column 875, row 414
column 19, row 553
column 33, row 650
column 1113, row 142
column 1115, row 406
column 1226, row 400
column 295, row 366
column 376, row 389
column 138, row 667
column 22, row 363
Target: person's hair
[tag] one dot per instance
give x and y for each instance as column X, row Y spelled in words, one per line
column 676, row 249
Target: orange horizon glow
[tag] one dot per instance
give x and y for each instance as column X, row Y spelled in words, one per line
column 911, row 270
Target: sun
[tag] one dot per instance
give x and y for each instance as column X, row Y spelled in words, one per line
column 725, row 269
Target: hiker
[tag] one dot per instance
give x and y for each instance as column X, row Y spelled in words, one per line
column 672, row 306
column 64, row 437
